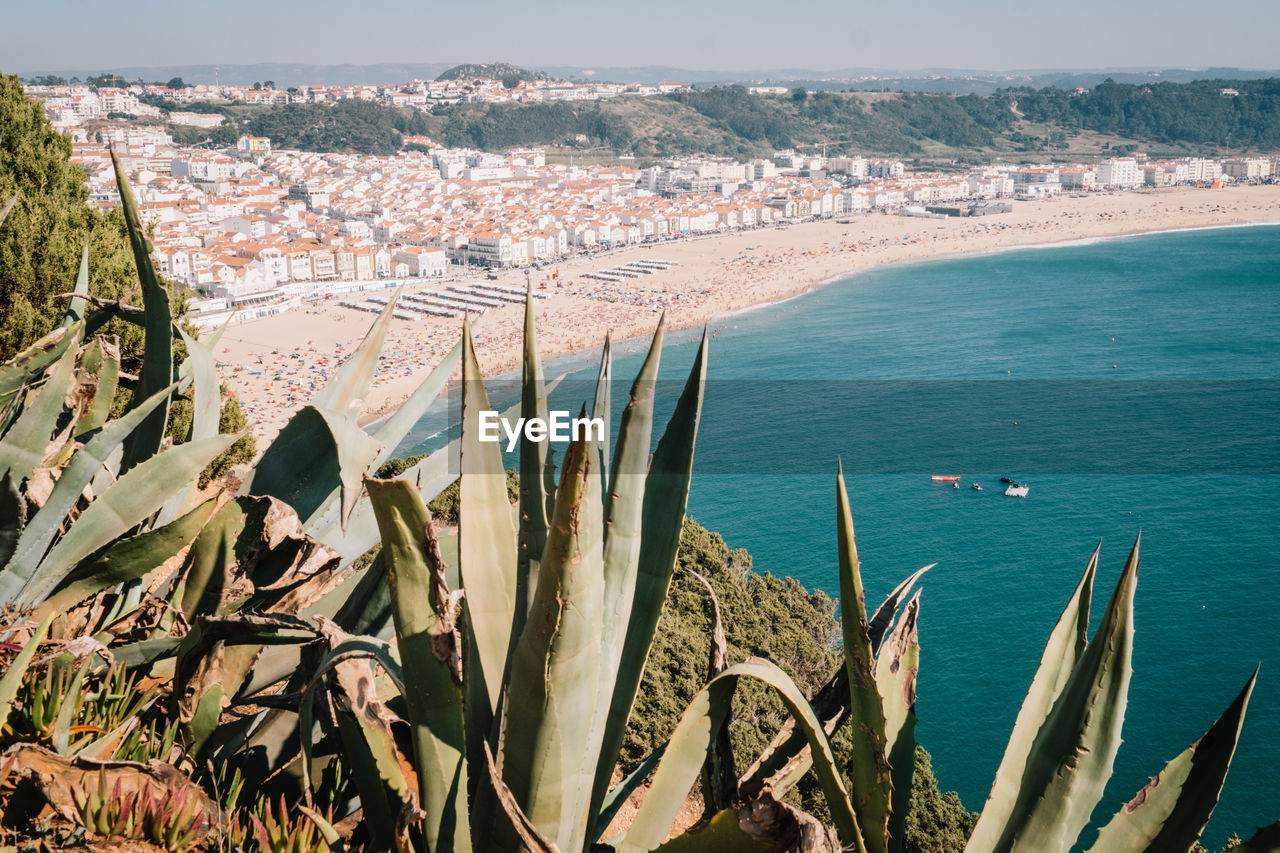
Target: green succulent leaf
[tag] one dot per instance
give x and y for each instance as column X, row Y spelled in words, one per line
column 869, row 774
column 76, row 476
column 157, row 361
column 1061, row 653
column 534, row 500
column 343, row 394
column 99, row 366
column 624, row 520
column 431, row 655
column 129, row 559
column 666, row 494
column 317, row 461
column 26, row 441
column 11, row 682
column 896, row 668
column 28, row 365
column 134, row 497
column 77, row 306
column 486, row 538
column 1171, row 811
column 1074, row 751
column 548, row 744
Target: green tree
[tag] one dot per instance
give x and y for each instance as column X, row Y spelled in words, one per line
column 176, row 83
column 42, row 238
column 799, row 95
column 510, row 81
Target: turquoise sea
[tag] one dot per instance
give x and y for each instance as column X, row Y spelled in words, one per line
column 1194, row 315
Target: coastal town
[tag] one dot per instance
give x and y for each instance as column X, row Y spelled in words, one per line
column 309, row 244
column 256, row 230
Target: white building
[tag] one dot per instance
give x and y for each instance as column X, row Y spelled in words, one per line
column 1120, row 172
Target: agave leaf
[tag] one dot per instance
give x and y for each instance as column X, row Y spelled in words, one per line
column 430, row 652
column 618, row 796
column 25, row 443
column 317, row 457
column 486, row 537
column 27, row 365
column 869, row 774
column 601, row 407
column 896, row 668
column 624, row 507
column 367, row 744
column 666, row 493
column 157, row 360
column 688, row 744
column 99, row 370
column 83, row 467
column 395, row 428
column 128, row 559
column 548, row 745
column 77, row 305
column 345, row 392
column 533, row 840
column 1062, row 651
column 719, row 777
column 888, row 609
column 199, row 365
column 133, row 498
column 782, row 764
column 787, row 758
column 11, row 681
column 1171, row 811
column 1265, row 840
column 1074, row 752
column 199, row 369
column 13, row 509
column 535, row 501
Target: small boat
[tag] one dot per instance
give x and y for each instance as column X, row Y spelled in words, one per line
column 944, row 478
column 1006, row 479
column 1017, row 490
column 977, row 487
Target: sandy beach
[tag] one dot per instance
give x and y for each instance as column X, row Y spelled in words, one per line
column 275, row 364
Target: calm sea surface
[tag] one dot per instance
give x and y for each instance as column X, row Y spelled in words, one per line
column 1186, row 323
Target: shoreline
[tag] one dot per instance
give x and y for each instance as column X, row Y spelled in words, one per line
column 273, row 366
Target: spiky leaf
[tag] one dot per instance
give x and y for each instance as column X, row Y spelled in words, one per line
column 1171, row 811
column 548, row 744
column 1066, row 643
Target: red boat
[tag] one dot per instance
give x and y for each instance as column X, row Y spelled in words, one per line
column 944, row 478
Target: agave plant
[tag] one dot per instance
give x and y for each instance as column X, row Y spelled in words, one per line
column 476, row 684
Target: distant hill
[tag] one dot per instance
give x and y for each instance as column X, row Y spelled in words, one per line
column 491, row 70
column 942, row 80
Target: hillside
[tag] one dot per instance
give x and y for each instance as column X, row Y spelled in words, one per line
column 1165, row 118
column 492, row 70
column 1162, row 119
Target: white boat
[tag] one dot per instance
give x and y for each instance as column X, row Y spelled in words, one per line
column 977, row 487
column 1017, row 490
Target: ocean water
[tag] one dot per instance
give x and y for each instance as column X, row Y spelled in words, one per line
column 1187, row 324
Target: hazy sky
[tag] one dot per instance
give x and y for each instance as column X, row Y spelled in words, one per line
column 39, row 35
